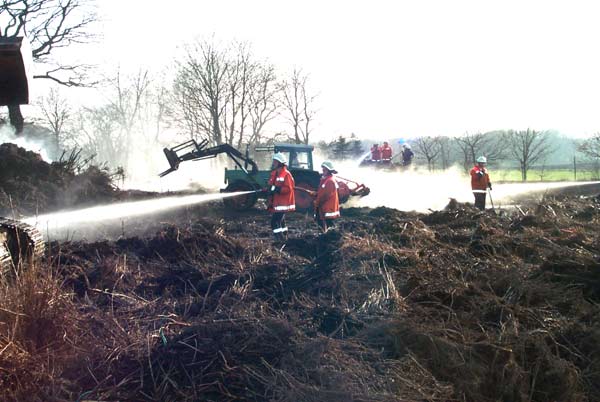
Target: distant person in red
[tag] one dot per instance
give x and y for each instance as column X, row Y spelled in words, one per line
column 375, row 153
column 480, row 182
column 386, row 153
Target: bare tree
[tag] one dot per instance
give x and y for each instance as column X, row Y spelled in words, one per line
column 153, row 111
column 430, row 148
column 591, row 146
column 49, row 25
column 528, row 147
column 491, row 145
column 224, row 95
column 99, row 135
column 112, row 131
column 446, row 151
column 126, row 102
column 264, row 102
column 201, row 91
column 56, row 112
column 299, row 105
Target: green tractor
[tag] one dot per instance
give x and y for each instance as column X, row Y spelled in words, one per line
column 246, row 176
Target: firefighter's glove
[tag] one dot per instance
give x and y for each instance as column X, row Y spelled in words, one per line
column 490, row 186
column 275, row 189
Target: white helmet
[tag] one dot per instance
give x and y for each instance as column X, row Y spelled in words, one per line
column 407, row 146
column 329, row 166
column 280, row 158
column 482, row 159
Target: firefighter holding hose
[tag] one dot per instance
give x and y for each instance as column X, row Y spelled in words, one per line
column 480, row 182
column 327, row 203
column 281, row 196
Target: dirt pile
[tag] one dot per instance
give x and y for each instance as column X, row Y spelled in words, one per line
column 29, row 184
column 390, row 306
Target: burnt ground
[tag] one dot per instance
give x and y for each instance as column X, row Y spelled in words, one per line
column 391, row 306
column 199, row 305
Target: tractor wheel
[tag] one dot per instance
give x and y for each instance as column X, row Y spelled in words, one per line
column 240, row 202
column 304, row 201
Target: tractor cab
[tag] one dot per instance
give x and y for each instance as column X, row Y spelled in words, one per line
column 299, row 156
column 300, row 164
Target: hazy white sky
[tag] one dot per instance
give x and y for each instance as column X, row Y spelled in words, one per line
column 388, row 69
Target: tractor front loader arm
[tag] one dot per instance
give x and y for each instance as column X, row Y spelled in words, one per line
column 192, row 151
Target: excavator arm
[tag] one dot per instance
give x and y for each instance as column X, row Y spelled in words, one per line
column 193, row 151
column 14, row 88
column 15, row 66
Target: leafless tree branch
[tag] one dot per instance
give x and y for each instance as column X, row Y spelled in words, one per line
column 528, row 147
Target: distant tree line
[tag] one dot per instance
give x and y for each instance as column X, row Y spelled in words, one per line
column 342, row 148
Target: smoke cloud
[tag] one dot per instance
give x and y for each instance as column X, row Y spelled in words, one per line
column 7, row 134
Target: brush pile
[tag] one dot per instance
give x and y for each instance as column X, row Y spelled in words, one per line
column 29, row 184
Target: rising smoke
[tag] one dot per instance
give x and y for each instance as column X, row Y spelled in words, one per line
column 7, row 135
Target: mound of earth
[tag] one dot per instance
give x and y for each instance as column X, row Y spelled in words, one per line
column 30, row 184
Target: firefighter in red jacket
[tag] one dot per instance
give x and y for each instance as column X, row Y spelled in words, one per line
column 386, row 153
column 375, row 153
column 327, row 204
column 281, row 196
column 480, row 182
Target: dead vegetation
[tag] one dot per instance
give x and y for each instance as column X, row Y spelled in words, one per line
column 28, row 184
column 456, row 305
column 392, row 306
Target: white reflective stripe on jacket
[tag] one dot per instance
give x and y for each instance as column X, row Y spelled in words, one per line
column 284, row 207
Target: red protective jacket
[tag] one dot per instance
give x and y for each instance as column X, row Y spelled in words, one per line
column 386, row 152
column 480, row 178
column 327, row 201
column 283, row 200
column 375, row 153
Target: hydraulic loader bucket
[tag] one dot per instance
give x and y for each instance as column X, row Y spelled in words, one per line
column 14, row 63
column 173, row 161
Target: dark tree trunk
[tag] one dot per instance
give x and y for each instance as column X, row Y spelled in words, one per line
column 16, row 118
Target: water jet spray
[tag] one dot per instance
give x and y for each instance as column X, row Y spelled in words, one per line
column 103, row 213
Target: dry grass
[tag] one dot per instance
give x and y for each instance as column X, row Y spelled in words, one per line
column 456, row 305
column 38, row 331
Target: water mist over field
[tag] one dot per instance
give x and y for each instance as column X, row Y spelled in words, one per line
column 420, row 190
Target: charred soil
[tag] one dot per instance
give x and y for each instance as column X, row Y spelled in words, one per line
column 390, row 306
